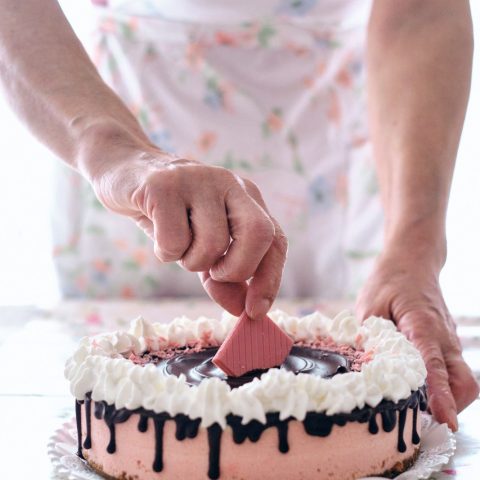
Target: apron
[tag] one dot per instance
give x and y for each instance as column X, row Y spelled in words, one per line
column 273, row 90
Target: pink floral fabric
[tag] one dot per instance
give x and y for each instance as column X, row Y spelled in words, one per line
column 273, row 90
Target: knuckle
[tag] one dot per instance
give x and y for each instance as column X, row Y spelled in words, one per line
column 281, row 242
column 202, row 257
column 435, row 364
column 170, row 251
column 263, row 229
column 166, row 256
column 222, row 272
column 252, row 188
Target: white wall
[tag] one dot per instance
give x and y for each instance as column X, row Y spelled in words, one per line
column 26, row 274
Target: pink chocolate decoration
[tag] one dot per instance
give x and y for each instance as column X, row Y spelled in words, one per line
column 252, row 345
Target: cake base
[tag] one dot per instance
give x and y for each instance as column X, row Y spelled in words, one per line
column 306, row 456
column 391, row 473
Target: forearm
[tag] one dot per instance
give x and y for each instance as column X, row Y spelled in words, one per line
column 419, row 67
column 54, row 87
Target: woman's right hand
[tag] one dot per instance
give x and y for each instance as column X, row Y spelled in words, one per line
column 206, row 218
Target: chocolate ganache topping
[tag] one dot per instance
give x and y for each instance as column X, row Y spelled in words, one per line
column 196, row 366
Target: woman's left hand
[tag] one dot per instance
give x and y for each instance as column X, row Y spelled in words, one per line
column 406, row 290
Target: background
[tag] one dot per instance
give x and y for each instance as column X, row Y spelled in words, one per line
column 26, row 272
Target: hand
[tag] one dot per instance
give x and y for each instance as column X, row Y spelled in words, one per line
column 406, row 290
column 206, row 218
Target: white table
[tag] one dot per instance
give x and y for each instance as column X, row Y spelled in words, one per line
column 34, row 398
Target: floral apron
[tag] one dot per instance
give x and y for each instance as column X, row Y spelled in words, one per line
column 271, row 89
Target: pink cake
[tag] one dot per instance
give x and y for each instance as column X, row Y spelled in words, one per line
column 151, row 404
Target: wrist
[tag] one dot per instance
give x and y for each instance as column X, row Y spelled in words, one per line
column 106, row 143
column 417, row 241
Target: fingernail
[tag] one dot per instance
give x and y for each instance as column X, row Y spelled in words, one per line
column 260, row 309
column 452, row 414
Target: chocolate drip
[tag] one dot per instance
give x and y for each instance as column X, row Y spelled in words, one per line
column 316, row 424
column 415, row 435
column 389, row 420
column 159, row 423
column 214, row 441
column 402, row 416
column 282, row 428
column 196, row 366
column 143, row 423
column 99, row 408
column 88, row 418
column 373, row 425
column 112, row 416
column 78, row 416
column 185, row 427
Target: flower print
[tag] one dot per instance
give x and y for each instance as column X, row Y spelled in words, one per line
column 265, row 34
column 101, row 268
column 93, row 318
column 214, row 97
column 151, row 282
column 206, row 141
column 102, row 265
column 318, row 72
column 127, row 292
column 296, row 7
column 351, row 68
column 273, row 122
column 150, row 51
column 293, row 142
column 326, row 40
column 194, row 54
column 128, row 28
column 231, row 163
column 334, row 111
column 344, row 78
column 163, row 139
column 81, row 282
column 121, row 244
column 94, row 229
column 224, row 38
column 140, row 256
column 321, row 193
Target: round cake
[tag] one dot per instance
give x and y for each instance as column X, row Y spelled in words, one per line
column 150, row 403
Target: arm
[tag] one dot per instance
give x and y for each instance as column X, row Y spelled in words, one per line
column 419, row 67
column 193, row 212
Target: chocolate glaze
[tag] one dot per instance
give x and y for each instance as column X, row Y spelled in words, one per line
column 196, row 366
column 316, row 424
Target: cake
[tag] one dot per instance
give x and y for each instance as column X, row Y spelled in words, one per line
column 151, row 404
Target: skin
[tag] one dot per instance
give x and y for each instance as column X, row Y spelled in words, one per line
column 419, row 69
column 419, row 59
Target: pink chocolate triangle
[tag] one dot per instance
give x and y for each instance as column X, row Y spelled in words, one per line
column 252, row 345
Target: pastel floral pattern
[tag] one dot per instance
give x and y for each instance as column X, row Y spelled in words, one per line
column 266, row 98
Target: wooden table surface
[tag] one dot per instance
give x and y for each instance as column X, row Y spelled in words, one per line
column 34, row 397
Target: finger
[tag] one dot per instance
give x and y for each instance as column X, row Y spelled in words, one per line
column 171, row 231
column 266, row 281
column 146, row 225
column 231, row 296
column 440, row 398
column 252, row 233
column 210, row 236
column 463, row 383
